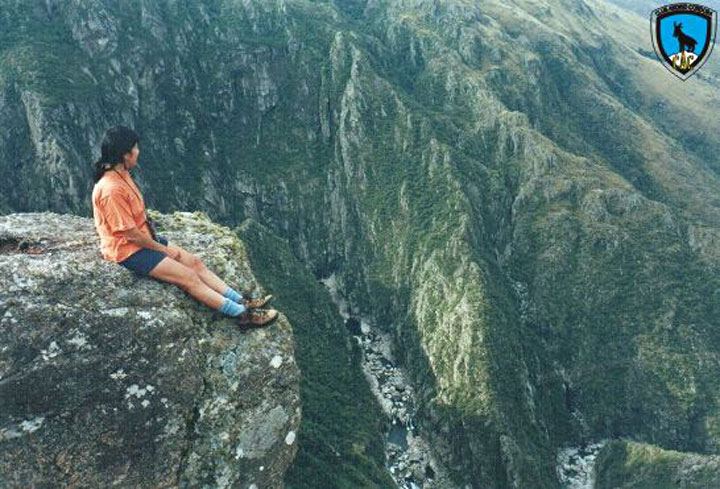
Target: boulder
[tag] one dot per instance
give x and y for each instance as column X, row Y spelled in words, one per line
column 112, row 379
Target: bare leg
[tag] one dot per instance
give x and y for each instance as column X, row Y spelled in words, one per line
column 212, row 280
column 208, row 277
column 174, row 272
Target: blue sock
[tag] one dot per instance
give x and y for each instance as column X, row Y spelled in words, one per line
column 231, row 308
column 232, row 295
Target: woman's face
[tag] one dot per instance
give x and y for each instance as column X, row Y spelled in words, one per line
column 132, row 157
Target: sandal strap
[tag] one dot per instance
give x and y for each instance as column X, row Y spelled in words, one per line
column 259, row 313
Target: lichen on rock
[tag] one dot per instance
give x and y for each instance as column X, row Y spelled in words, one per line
column 111, row 379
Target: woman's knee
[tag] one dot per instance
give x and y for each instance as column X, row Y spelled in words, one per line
column 196, row 263
column 191, row 280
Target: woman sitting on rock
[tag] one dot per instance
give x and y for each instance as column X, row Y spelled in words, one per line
column 127, row 239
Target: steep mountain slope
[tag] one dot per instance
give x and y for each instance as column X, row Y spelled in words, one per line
column 518, row 190
column 336, row 450
column 640, row 7
column 624, row 465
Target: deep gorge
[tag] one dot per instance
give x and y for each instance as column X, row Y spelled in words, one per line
column 494, row 182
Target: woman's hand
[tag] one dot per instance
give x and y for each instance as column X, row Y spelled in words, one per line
column 173, row 253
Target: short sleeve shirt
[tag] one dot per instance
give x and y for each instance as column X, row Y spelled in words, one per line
column 118, row 206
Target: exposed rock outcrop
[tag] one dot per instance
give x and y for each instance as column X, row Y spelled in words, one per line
column 108, row 379
column 625, row 465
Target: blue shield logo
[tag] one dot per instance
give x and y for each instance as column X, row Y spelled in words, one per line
column 683, row 36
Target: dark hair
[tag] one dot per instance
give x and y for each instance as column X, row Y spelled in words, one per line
column 117, row 141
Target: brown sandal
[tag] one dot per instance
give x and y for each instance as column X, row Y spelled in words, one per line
column 256, row 303
column 257, row 317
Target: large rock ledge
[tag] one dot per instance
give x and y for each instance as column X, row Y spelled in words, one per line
column 107, row 379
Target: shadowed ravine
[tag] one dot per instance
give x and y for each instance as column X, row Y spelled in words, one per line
column 408, row 455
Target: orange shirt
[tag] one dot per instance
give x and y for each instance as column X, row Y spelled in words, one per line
column 118, row 206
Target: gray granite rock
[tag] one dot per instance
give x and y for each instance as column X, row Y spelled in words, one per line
column 108, row 379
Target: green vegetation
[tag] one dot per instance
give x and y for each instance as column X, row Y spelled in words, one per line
column 630, row 465
column 339, row 439
column 43, row 56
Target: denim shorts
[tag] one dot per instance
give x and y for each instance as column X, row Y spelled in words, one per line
column 143, row 261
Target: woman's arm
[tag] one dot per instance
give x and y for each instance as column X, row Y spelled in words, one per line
column 117, row 211
column 136, row 237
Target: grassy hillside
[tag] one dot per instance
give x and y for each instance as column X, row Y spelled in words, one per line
column 628, row 465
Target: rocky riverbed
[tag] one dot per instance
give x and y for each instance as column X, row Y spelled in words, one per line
column 408, row 455
column 575, row 466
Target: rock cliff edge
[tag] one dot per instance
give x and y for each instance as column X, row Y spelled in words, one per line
column 108, row 379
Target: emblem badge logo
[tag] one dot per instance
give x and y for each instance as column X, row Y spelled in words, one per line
column 683, row 36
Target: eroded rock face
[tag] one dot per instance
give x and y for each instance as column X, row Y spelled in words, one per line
column 108, row 379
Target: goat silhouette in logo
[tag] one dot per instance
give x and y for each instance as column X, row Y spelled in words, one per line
column 683, row 39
